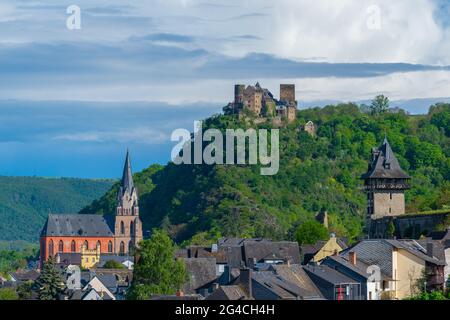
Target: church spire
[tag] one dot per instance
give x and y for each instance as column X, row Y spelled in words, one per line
column 127, row 176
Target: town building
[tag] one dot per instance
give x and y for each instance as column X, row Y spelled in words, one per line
column 92, row 235
column 322, row 249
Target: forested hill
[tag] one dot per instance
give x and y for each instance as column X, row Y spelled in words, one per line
column 200, row 203
column 26, row 201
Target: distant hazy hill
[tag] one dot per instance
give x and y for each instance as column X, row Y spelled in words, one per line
column 199, row 203
column 26, row 201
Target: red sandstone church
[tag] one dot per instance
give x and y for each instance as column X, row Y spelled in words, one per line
column 69, row 233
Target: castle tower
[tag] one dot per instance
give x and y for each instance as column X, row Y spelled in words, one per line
column 128, row 225
column 239, row 93
column 287, row 94
column 385, row 184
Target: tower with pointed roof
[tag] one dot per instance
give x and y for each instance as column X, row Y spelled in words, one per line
column 385, row 183
column 128, row 225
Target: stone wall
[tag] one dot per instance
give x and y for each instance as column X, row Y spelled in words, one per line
column 388, row 203
column 409, row 226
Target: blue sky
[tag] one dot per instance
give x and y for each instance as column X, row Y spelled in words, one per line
column 72, row 101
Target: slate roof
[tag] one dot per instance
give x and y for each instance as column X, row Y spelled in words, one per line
column 384, row 164
column 229, row 292
column 109, row 281
column 201, row 271
column 127, row 176
column 108, row 257
column 413, row 247
column 296, row 275
column 258, row 250
column 69, row 258
column 328, row 274
column 25, row 275
column 72, row 225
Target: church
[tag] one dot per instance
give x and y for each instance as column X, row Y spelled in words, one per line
column 76, row 233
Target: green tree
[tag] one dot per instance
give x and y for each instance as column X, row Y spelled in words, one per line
column 390, row 229
column 8, row 294
column 156, row 270
column 112, row 264
column 380, row 104
column 50, row 282
column 310, row 232
column 24, row 290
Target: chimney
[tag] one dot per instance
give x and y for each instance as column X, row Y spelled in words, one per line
column 245, row 278
column 352, row 257
column 430, row 249
column 180, row 293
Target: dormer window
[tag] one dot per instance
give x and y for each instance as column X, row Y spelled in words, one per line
column 387, row 166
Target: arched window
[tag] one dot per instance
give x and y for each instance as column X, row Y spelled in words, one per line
column 86, row 245
column 73, row 246
column 132, row 228
column 110, row 248
column 122, row 248
column 50, row 248
column 122, row 227
column 60, row 246
column 99, row 244
column 130, row 246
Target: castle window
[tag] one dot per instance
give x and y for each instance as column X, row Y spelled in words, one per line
column 86, row 245
column 110, row 248
column 132, row 228
column 122, row 248
column 72, row 246
column 50, row 248
column 390, row 195
column 61, row 246
column 122, row 227
column 390, row 210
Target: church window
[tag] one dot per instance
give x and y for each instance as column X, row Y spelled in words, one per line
column 110, row 248
column 130, row 246
column 50, row 248
column 99, row 244
column 72, row 246
column 132, row 228
column 86, row 245
column 122, row 227
column 61, row 246
column 122, row 248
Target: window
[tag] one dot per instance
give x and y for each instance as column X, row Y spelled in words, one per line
column 122, row 248
column 110, row 248
column 86, row 245
column 122, row 227
column 72, row 246
column 99, row 244
column 390, row 210
column 390, row 195
column 132, row 228
column 130, row 246
column 50, row 248
column 60, row 246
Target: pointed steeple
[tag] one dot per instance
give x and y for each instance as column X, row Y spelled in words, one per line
column 127, row 176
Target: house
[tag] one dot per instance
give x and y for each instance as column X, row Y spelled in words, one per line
column 310, row 128
column 370, row 278
column 103, row 285
column 332, row 284
column 24, row 276
column 322, row 249
column 229, row 292
column 126, row 261
column 403, row 262
column 202, row 275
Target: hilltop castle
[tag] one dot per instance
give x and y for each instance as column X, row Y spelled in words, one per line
column 81, row 233
column 261, row 102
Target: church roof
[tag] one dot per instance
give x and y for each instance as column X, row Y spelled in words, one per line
column 384, row 164
column 127, row 176
column 76, row 225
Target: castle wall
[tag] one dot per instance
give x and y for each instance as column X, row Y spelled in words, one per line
column 388, row 203
column 407, row 227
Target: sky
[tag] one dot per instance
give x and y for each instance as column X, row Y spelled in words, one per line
column 73, row 100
